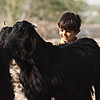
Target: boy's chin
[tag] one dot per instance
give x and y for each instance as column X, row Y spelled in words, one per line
column 65, row 40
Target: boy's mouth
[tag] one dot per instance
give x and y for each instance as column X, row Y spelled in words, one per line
column 65, row 38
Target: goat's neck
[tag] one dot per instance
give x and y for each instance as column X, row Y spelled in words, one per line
column 41, row 54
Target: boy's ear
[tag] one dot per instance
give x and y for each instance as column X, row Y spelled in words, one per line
column 77, row 32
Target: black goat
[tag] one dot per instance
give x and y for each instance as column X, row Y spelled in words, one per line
column 6, row 88
column 65, row 72
column 7, row 53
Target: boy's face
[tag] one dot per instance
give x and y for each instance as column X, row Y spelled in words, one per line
column 67, row 35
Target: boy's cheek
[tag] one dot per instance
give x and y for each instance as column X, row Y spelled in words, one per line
column 61, row 34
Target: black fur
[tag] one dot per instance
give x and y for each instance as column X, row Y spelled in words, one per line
column 65, row 72
column 5, row 31
column 6, row 88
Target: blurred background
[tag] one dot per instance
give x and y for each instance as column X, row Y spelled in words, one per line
column 46, row 13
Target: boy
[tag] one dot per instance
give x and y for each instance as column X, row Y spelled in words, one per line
column 69, row 26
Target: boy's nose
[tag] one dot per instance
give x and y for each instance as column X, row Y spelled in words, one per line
column 64, row 33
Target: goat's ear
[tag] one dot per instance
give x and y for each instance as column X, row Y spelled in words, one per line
column 34, row 25
column 33, row 44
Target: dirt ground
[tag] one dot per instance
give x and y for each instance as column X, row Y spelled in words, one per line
column 15, row 70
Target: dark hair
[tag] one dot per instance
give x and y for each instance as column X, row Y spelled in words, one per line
column 5, row 31
column 70, row 21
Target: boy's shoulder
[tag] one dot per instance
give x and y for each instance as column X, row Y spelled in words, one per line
column 60, row 42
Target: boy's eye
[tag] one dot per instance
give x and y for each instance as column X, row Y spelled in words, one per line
column 67, row 31
column 61, row 30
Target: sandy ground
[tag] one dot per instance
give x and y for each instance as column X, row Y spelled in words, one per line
column 15, row 70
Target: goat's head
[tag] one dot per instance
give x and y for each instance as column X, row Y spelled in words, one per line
column 22, row 37
column 5, row 31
